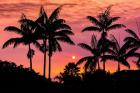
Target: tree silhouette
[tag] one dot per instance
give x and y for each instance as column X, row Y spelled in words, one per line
column 103, row 24
column 26, row 38
column 71, row 74
column 91, row 61
column 96, row 50
column 42, row 30
column 121, row 53
column 133, row 41
column 53, row 30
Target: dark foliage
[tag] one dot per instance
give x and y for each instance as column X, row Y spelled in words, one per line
column 17, row 77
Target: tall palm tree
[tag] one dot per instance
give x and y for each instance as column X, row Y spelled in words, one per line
column 52, row 30
column 26, row 38
column 96, row 51
column 42, row 29
column 103, row 24
column 121, row 53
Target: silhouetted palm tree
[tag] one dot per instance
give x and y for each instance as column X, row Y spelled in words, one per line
column 91, row 61
column 42, row 31
column 121, row 53
column 39, row 26
column 26, row 38
column 96, row 51
column 53, row 30
column 103, row 23
column 133, row 41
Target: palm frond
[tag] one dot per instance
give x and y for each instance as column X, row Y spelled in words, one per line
column 61, row 27
column 58, row 21
column 111, row 51
column 42, row 12
column 85, row 46
column 14, row 29
column 66, row 40
column 94, row 20
column 87, row 65
column 132, row 33
column 55, row 14
column 133, row 50
column 132, row 55
column 116, row 43
column 115, row 26
column 58, row 46
column 124, row 62
column 19, row 41
column 113, row 19
column 43, row 17
column 68, row 32
column 10, row 41
column 29, row 22
column 91, row 28
column 83, row 59
column 37, row 44
column 130, row 39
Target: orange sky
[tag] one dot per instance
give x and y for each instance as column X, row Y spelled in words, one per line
column 74, row 12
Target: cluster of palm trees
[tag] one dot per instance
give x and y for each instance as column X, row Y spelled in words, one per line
column 109, row 49
column 47, row 31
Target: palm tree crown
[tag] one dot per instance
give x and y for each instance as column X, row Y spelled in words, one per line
column 121, row 53
column 132, row 41
column 96, row 50
column 26, row 38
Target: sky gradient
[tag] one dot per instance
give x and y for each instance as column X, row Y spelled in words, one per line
column 74, row 12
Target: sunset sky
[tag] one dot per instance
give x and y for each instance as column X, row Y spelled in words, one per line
column 74, row 12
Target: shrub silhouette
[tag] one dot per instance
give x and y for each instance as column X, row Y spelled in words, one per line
column 71, row 75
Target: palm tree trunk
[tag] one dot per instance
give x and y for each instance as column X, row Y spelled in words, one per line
column 103, row 36
column 98, row 65
column 118, row 66
column 104, row 65
column 49, row 74
column 44, row 69
column 30, row 57
column 50, row 54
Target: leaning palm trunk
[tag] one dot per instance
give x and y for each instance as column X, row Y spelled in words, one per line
column 44, row 70
column 30, row 57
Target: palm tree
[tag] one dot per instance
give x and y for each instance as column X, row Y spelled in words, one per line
column 52, row 30
column 42, row 22
column 103, row 24
column 121, row 53
column 133, row 41
column 26, row 38
column 96, row 51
